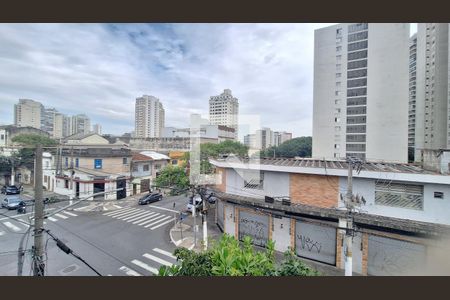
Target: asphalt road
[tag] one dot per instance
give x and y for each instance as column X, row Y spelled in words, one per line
column 124, row 239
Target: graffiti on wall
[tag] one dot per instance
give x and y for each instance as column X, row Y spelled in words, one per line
column 256, row 229
column 309, row 244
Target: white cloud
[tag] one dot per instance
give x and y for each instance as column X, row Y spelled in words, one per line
column 100, row 69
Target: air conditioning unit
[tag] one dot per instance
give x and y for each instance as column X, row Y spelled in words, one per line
column 268, row 199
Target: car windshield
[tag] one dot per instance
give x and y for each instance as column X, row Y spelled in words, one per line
column 14, row 200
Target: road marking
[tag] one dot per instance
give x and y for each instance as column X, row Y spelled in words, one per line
column 124, row 213
column 141, row 217
column 15, row 217
column 129, row 271
column 162, row 224
column 131, row 213
column 162, row 208
column 147, row 217
column 136, row 215
column 144, row 266
column 61, row 216
column 70, row 214
column 11, row 226
column 118, row 211
column 154, row 217
column 158, row 260
column 164, row 252
column 2, row 233
column 52, row 219
column 156, row 222
column 117, row 206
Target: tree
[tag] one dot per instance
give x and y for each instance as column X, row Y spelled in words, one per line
column 25, row 156
column 301, row 146
column 228, row 257
column 173, row 176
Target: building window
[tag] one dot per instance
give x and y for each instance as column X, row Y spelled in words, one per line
column 125, row 161
column 2, row 137
column 401, row 195
column 98, row 163
column 439, row 195
column 77, row 163
column 174, row 161
column 66, row 162
column 146, row 168
column 66, row 183
column 253, row 179
column 135, row 168
column 157, row 166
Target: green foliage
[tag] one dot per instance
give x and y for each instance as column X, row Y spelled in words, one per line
column 33, row 140
column 209, row 150
column 301, row 146
column 228, row 257
column 173, row 176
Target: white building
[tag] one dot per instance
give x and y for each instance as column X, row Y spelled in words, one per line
column 262, row 139
column 361, row 91
column 224, row 110
column 80, row 124
column 27, row 113
column 281, row 137
column 218, row 133
column 149, row 117
column 432, row 126
column 97, row 128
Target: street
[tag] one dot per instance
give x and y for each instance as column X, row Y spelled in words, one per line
column 117, row 238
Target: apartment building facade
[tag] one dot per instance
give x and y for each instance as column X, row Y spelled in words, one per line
column 361, row 91
column 400, row 226
column 80, row 124
column 432, row 125
column 149, row 117
column 28, row 113
column 224, row 110
column 279, row 137
column 412, row 96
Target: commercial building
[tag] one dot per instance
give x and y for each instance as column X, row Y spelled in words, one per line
column 361, row 91
column 27, row 113
column 149, row 117
column 224, row 110
column 432, row 126
column 401, row 222
column 144, row 169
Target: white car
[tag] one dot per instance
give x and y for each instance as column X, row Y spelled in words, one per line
column 198, row 204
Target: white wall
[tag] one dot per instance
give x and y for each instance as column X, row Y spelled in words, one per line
column 434, row 211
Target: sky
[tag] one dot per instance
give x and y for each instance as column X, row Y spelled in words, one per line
column 100, row 69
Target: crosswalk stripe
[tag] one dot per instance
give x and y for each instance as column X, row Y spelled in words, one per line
column 162, row 224
column 148, row 217
column 158, row 260
column 52, row 219
column 117, row 206
column 135, row 215
column 155, row 216
column 141, row 217
column 144, row 266
column 122, row 213
column 11, row 226
column 129, row 271
column 70, row 214
column 164, row 252
column 126, row 214
column 118, row 211
column 156, row 222
column 61, row 216
column 2, row 233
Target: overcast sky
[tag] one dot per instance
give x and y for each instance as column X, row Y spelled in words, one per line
column 99, row 70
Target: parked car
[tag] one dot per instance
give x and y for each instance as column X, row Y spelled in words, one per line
column 10, row 190
column 198, row 204
column 150, row 198
column 11, row 202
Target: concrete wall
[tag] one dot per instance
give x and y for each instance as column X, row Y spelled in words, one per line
column 275, row 185
column 434, row 211
column 113, row 165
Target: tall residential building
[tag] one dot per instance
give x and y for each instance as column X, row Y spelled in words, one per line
column 412, row 95
column 281, row 137
column 28, row 113
column 149, row 117
column 262, row 139
column 361, row 91
column 432, row 126
column 97, row 128
column 224, row 110
column 47, row 119
column 80, row 124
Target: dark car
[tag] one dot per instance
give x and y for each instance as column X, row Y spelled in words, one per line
column 10, row 190
column 11, row 202
column 149, row 198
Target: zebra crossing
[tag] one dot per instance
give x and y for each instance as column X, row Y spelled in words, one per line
column 149, row 263
column 141, row 217
column 15, row 224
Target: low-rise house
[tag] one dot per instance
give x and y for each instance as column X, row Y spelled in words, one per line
column 145, row 167
column 401, row 220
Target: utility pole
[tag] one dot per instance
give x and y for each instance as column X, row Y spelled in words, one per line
column 71, row 176
column 205, row 226
column 194, row 214
column 38, row 255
